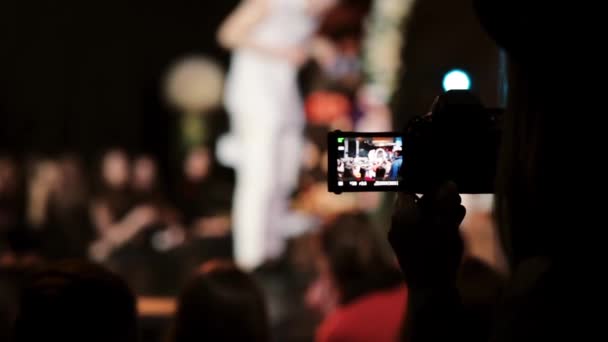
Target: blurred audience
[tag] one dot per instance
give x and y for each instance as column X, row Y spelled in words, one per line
column 193, row 187
column 9, row 304
column 145, row 182
column 76, row 301
column 115, row 216
column 58, row 207
column 43, row 181
column 221, row 303
column 168, row 232
column 15, row 244
column 359, row 289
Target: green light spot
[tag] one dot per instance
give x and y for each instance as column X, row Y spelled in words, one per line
column 340, row 140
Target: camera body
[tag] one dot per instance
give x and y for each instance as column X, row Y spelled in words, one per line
column 457, row 141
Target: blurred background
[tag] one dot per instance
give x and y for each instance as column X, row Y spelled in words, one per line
column 114, row 109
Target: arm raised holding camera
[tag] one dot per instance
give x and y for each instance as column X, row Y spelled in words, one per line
column 426, row 240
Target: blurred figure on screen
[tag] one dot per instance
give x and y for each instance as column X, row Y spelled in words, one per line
column 397, row 162
column 381, row 164
column 269, row 39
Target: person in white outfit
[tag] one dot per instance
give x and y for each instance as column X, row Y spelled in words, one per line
column 270, row 41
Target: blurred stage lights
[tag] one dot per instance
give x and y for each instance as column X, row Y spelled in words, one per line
column 456, row 80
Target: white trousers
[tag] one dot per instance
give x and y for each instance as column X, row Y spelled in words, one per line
column 268, row 132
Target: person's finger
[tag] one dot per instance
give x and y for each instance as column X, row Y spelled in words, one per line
column 405, row 214
column 442, row 206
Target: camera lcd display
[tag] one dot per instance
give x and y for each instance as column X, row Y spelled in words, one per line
column 364, row 161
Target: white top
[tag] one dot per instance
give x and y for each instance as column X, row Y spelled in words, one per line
column 288, row 23
column 264, row 85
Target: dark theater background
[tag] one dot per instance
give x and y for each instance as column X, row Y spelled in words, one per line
column 78, row 78
column 85, row 75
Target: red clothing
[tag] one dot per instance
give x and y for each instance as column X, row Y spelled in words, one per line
column 376, row 317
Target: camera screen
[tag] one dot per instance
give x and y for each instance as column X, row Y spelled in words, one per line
column 366, row 163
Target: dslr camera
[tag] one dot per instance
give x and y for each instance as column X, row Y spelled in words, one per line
column 457, row 141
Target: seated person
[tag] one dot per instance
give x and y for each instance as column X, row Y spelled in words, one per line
column 359, row 288
column 396, row 165
column 380, row 173
column 221, row 303
column 76, row 301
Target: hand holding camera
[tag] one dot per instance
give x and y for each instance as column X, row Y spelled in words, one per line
column 425, row 236
column 451, row 150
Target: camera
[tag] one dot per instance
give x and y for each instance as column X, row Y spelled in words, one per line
column 457, row 140
column 364, row 161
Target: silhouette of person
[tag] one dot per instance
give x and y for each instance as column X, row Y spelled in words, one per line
column 545, row 230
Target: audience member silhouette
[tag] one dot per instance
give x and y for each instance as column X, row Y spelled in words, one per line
column 360, row 276
column 15, row 241
column 221, row 303
column 67, row 229
column 545, row 229
column 76, row 301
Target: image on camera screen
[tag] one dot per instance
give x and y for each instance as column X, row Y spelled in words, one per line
column 369, row 162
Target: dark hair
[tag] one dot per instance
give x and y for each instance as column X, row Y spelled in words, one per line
column 358, row 260
column 76, row 301
column 344, row 21
column 223, row 304
column 380, row 173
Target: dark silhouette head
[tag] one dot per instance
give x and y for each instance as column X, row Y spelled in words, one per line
column 546, row 141
column 356, row 258
column 221, row 303
column 76, row 301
